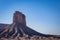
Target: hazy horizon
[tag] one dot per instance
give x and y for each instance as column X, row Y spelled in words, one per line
column 41, row 15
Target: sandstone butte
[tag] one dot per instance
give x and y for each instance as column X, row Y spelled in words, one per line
column 18, row 30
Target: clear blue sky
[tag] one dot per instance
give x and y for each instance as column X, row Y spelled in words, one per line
column 41, row 15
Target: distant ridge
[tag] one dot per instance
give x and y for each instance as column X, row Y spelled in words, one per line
column 19, row 29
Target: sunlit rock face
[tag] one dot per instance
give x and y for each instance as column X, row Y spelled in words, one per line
column 18, row 30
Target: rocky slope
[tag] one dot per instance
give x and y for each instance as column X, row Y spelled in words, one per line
column 18, row 30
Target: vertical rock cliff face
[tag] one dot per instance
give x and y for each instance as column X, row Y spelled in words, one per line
column 19, row 18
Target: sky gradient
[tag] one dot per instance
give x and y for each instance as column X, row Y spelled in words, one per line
column 41, row 15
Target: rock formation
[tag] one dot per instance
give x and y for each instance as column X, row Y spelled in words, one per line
column 19, row 18
column 18, row 30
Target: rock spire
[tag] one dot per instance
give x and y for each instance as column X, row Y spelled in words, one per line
column 19, row 18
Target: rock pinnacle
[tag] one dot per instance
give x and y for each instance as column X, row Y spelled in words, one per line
column 19, row 18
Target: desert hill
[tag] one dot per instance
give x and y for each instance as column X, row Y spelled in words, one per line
column 18, row 30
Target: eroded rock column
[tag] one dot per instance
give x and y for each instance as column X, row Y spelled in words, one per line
column 19, row 18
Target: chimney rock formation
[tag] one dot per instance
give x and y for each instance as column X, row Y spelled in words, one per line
column 18, row 30
column 19, row 18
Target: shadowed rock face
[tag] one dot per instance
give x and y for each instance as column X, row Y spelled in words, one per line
column 18, row 28
column 19, row 18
